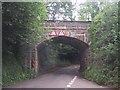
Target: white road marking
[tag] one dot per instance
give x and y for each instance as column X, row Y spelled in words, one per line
column 75, row 77
column 71, row 82
column 68, row 85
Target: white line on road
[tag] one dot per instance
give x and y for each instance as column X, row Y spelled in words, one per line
column 68, row 86
column 71, row 82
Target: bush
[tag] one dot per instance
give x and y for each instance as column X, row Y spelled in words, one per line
column 103, row 33
column 102, row 76
column 13, row 71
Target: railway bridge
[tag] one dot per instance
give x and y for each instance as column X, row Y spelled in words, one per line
column 74, row 33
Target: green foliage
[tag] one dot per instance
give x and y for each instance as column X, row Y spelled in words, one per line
column 1, row 79
column 89, row 9
column 21, row 23
column 49, row 58
column 104, row 47
column 21, row 27
column 102, row 76
column 64, row 49
column 60, row 11
column 118, row 39
column 13, row 72
column 104, row 34
column 67, row 53
column 55, row 55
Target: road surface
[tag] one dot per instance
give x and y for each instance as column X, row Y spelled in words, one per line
column 66, row 77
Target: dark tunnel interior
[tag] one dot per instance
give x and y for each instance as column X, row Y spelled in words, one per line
column 70, row 50
column 67, row 52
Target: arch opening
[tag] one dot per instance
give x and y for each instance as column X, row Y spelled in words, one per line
column 80, row 55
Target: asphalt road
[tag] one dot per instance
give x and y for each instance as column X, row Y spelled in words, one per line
column 66, row 77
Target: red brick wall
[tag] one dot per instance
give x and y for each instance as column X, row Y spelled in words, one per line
column 74, row 27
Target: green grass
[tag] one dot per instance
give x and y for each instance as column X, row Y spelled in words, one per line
column 13, row 71
column 102, row 76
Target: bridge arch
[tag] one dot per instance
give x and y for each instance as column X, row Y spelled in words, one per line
column 76, row 43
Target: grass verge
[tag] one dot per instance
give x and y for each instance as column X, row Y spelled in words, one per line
column 102, row 76
column 13, row 71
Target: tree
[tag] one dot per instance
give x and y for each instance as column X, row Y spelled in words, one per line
column 21, row 24
column 89, row 9
column 104, row 37
column 60, row 11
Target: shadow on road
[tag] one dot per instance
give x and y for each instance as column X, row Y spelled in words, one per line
column 72, row 71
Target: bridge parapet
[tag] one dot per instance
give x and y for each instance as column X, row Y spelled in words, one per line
column 76, row 29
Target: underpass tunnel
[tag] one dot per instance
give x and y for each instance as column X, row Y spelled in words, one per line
column 68, row 53
column 80, row 55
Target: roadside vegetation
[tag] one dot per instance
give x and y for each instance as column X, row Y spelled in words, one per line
column 21, row 27
column 104, row 33
column 13, row 72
